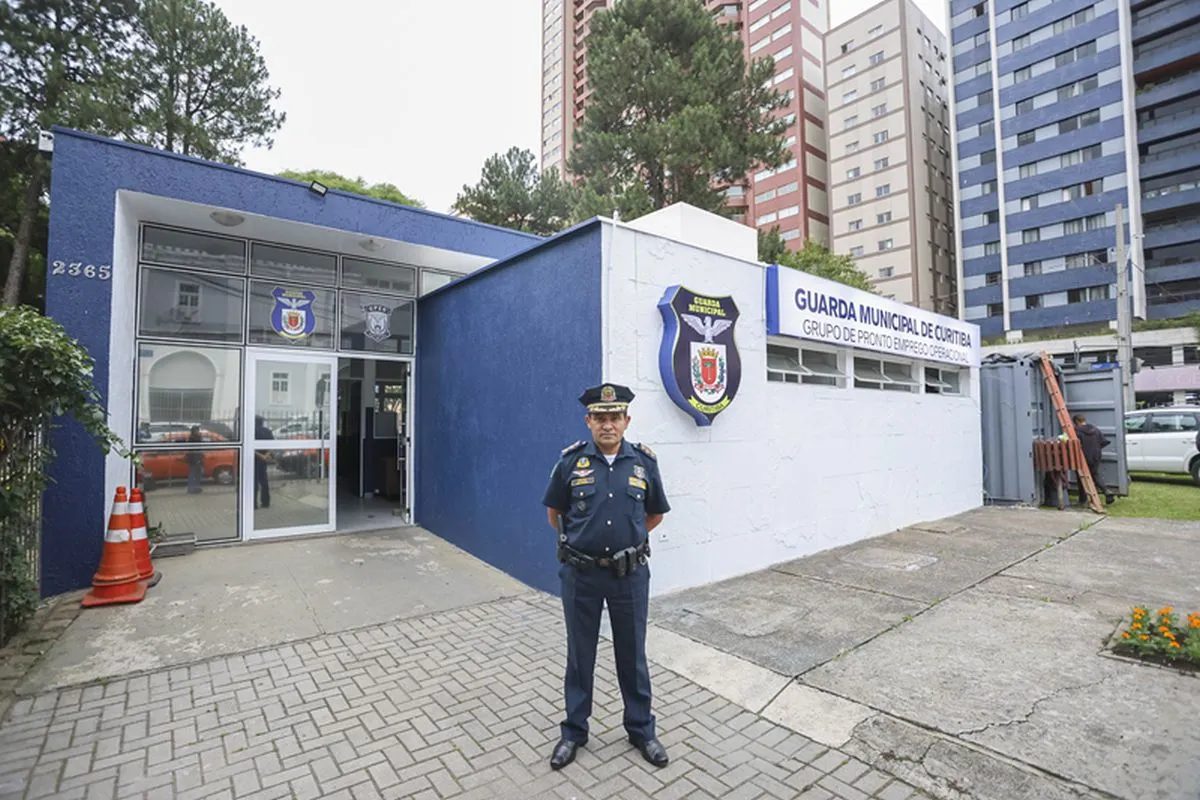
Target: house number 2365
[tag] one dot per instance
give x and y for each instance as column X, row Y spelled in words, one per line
column 77, row 268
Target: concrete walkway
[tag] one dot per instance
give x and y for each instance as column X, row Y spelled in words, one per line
column 967, row 656
column 369, row 666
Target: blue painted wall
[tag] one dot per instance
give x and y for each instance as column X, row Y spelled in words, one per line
column 502, row 357
column 87, row 172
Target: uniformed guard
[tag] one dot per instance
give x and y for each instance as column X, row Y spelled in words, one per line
column 605, row 496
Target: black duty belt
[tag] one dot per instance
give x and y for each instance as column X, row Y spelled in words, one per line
column 622, row 563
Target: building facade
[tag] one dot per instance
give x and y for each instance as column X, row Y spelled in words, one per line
column 1062, row 111
column 891, row 185
column 793, row 197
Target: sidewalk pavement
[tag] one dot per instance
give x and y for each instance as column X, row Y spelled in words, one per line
column 385, row 665
column 967, row 656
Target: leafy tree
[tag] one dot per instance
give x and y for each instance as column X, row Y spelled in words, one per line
column 59, row 64
column 675, row 112
column 332, row 180
column 15, row 156
column 513, row 194
column 197, row 84
column 771, row 245
column 815, row 259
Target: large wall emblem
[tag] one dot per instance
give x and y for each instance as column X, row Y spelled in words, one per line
column 698, row 358
column 293, row 317
column 378, row 321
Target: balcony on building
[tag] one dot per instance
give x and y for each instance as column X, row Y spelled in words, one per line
column 1164, row 39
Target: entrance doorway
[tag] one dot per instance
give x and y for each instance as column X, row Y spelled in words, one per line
column 373, row 400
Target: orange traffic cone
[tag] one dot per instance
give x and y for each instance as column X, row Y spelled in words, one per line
column 141, row 541
column 116, row 579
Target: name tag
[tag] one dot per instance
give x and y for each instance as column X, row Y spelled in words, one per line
column 638, row 482
column 582, row 481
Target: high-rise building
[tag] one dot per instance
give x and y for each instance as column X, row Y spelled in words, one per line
column 891, row 184
column 1063, row 110
column 792, row 197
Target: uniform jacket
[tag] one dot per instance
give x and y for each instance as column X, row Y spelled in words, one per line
column 605, row 507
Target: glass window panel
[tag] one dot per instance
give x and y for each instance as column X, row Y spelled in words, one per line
column 187, row 305
column 292, row 316
column 377, row 276
column 180, row 386
column 434, row 280
column 376, row 324
column 192, row 491
column 194, row 250
column 291, row 400
column 294, row 266
column 291, row 488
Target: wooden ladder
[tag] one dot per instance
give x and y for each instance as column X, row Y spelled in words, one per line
column 1064, row 419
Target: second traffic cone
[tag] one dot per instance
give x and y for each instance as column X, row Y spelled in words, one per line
column 116, row 579
column 141, row 541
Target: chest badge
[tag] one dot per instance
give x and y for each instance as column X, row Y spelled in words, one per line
column 639, row 471
column 582, row 473
column 583, row 463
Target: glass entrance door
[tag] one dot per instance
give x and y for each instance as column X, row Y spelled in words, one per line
column 289, row 466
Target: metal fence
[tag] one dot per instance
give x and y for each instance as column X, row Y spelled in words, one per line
column 21, row 457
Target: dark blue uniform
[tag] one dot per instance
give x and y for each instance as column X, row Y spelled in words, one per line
column 604, row 509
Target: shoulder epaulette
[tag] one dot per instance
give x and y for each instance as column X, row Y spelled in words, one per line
column 646, row 450
column 572, row 448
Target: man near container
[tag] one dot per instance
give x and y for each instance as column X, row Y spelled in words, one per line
column 604, row 497
column 1092, row 441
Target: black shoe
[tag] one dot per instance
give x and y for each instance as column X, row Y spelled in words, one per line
column 652, row 751
column 564, row 753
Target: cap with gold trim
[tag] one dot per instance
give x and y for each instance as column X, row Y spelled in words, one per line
column 607, row 398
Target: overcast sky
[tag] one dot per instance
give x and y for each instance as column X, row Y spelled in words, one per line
column 414, row 92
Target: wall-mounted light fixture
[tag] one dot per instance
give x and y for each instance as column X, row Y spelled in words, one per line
column 370, row 245
column 318, row 188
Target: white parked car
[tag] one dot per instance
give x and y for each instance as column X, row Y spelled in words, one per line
column 1163, row 440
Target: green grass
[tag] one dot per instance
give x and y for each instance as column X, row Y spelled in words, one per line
column 1159, row 496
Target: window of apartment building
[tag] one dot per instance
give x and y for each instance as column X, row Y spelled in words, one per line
column 1095, row 222
column 881, row 163
column 1021, row 42
column 981, row 39
column 879, row 110
column 850, row 96
column 1024, row 106
column 884, row 218
column 855, row 225
column 1088, row 295
column 987, row 127
column 1028, row 137
column 987, row 187
column 991, row 218
column 1079, row 156
column 995, row 309
column 852, row 147
column 884, row 190
column 992, row 279
column 1078, row 87
column 857, row 252
column 1028, row 170
column 875, row 31
column 880, row 137
column 1075, row 54
column 849, row 71
column 877, row 58
column 760, row 44
column 765, row 196
column 1029, row 203
column 1033, row 301
column 887, row 272
column 1078, row 18
column 780, row 55
column 1033, row 268
column 854, row 199
column 790, row 211
column 787, row 189
column 1018, row 12
column 991, row 248
column 987, row 157
column 788, row 236
column 1023, row 74
column 1072, row 227
column 853, row 172
column 981, row 69
column 1086, row 189
column 851, row 121
column 980, row 10
column 885, row 244
column 878, row 84
column 848, row 46
column 1031, row 236
column 984, row 99
column 1084, row 120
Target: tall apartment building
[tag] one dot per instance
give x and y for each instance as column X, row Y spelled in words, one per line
column 891, row 183
column 792, row 197
column 1064, row 109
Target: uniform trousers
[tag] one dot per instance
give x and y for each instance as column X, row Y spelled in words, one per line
column 584, row 593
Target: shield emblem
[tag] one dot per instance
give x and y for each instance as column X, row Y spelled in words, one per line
column 292, row 316
column 378, row 325
column 698, row 357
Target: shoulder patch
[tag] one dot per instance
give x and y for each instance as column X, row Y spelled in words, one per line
column 646, row 450
column 574, row 447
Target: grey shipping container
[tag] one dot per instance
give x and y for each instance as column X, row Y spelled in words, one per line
column 1017, row 409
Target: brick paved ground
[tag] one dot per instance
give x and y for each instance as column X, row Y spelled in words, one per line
column 459, row 704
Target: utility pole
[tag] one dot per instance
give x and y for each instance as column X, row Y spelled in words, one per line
column 1124, row 317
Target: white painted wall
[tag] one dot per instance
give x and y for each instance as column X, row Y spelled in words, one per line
column 787, row 470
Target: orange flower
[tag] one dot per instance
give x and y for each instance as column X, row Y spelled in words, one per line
column 1166, row 610
column 1136, row 626
column 1174, row 644
column 1144, row 637
column 1125, row 635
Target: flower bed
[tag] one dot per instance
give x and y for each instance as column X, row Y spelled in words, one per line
column 1161, row 638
